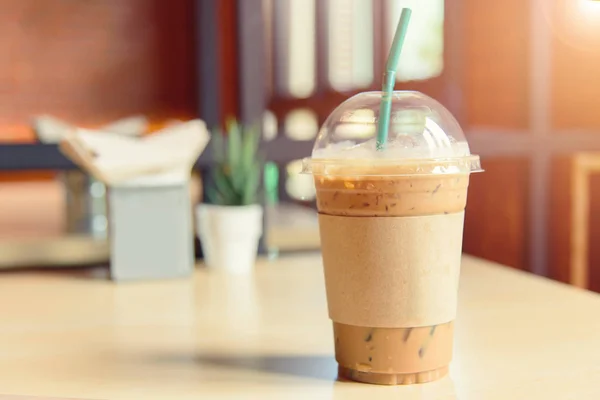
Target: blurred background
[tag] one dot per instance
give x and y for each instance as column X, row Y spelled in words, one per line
column 522, row 78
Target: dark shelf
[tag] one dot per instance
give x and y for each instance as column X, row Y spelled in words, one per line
column 34, row 156
column 37, row 156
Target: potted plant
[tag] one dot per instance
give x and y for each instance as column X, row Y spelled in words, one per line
column 230, row 223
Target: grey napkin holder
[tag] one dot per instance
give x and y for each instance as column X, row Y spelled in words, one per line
column 150, row 229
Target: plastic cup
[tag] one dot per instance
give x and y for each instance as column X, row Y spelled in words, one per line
column 391, row 224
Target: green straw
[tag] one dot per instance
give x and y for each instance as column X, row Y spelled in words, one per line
column 389, row 78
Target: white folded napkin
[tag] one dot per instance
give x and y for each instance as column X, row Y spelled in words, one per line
column 114, row 158
column 50, row 130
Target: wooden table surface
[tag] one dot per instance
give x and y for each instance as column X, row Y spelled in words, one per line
column 73, row 334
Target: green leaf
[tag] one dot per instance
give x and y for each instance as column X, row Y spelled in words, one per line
column 251, row 145
column 234, row 155
column 218, row 145
column 234, row 142
column 251, row 185
column 214, row 197
column 224, row 186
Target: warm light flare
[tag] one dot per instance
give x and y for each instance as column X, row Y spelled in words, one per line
column 575, row 22
column 589, row 9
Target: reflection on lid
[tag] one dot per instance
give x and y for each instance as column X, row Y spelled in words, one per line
column 363, row 115
column 433, row 130
column 355, row 131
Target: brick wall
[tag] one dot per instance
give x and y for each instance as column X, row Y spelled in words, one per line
column 91, row 61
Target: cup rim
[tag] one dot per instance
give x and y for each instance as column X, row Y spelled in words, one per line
column 393, row 167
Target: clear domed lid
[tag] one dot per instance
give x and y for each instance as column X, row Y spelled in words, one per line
column 423, row 138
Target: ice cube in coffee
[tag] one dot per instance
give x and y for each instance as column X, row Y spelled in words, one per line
column 391, row 223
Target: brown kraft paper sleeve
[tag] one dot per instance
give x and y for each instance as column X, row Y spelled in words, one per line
column 394, row 272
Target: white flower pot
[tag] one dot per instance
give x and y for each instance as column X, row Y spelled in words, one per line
column 229, row 235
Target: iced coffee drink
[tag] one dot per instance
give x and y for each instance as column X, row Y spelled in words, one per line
column 391, row 226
